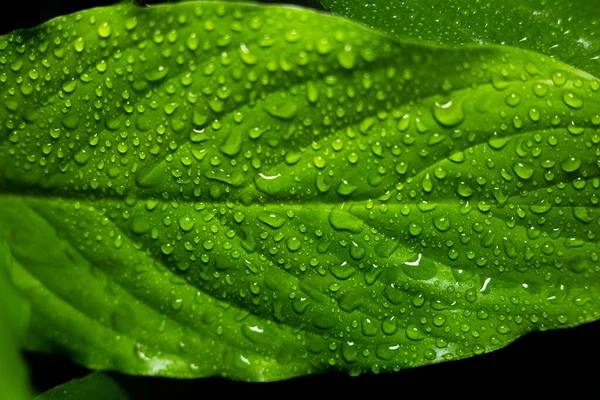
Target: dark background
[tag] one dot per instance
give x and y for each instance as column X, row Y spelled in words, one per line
column 547, row 361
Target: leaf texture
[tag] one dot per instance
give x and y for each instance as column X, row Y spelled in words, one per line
column 13, row 323
column 266, row 192
column 95, row 386
column 568, row 30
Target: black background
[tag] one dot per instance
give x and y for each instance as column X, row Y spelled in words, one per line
column 547, row 361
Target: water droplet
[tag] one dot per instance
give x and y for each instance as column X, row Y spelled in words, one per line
column 271, row 219
column 573, row 100
column 571, row 164
column 283, row 110
column 421, row 268
column 534, row 114
column 187, row 223
column 582, row 214
column 292, row 36
column 448, row 114
column 312, row 92
column 140, row 225
column 413, row 332
column 349, row 352
column 415, row 229
column 156, row 74
column 192, row 42
column 430, row 354
column 246, row 56
column 540, row 207
column 342, row 220
column 233, row 143
column 559, row 78
column 131, row 23
column 439, row 320
column 69, row 86
column 513, row 99
column 523, row 170
column 167, row 248
column 345, row 188
column 442, row 224
column 427, row 183
column 579, row 265
column 79, row 44
column 102, row 66
column 324, row 46
column 389, row 326
column 104, row 30
column 464, row 190
column 293, row 244
column 347, row 57
column 82, row 157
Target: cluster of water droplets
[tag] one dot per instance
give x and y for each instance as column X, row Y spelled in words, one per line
column 318, row 193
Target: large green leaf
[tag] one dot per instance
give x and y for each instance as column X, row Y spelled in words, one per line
column 567, row 29
column 95, row 386
column 13, row 323
column 265, row 192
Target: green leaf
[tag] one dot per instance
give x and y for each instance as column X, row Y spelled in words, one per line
column 568, row 30
column 95, row 386
column 265, row 192
column 13, row 323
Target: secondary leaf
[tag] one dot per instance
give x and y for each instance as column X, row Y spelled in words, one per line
column 267, row 192
column 13, row 323
column 568, row 30
column 95, row 386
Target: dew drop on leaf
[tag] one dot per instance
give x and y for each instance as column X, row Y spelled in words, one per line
column 449, row 113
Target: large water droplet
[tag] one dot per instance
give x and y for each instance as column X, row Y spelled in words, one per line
column 571, row 164
column 573, row 100
column 156, row 73
column 246, row 56
column 414, row 332
column 523, row 170
column 271, row 219
column 283, row 110
column 187, row 223
column 448, row 114
column 104, row 30
column 347, row 57
column 342, row 220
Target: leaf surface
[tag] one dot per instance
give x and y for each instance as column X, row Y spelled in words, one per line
column 266, row 192
column 13, row 323
column 95, row 386
column 568, row 30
